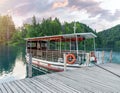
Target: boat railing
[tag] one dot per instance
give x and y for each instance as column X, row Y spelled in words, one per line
column 57, row 56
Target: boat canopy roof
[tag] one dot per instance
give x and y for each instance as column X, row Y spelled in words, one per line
column 64, row 37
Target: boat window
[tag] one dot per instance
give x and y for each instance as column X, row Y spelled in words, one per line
column 43, row 44
column 31, row 45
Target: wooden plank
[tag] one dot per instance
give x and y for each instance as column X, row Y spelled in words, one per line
column 32, row 86
column 37, row 86
column 7, row 88
column 95, row 77
column 105, row 74
column 12, row 88
column 1, row 91
column 63, row 86
column 24, row 87
column 17, row 87
column 57, row 84
column 2, row 88
column 81, row 86
column 115, row 68
column 96, row 73
column 68, row 82
column 82, row 80
column 51, row 86
column 41, row 86
column 91, row 81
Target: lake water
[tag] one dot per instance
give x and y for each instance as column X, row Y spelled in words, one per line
column 13, row 65
column 115, row 56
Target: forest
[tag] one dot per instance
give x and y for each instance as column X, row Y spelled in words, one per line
column 109, row 38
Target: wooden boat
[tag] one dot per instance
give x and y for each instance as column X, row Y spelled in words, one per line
column 57, row 51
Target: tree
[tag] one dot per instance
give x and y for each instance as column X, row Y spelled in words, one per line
column 7, row 28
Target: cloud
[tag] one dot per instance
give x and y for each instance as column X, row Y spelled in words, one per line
column 91, row 7
column 107, row 15
column 35, row 6
column 60, row 4
column 30, row 7
column 26, row 7
column 65, row 10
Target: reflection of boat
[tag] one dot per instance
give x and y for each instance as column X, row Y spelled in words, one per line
column 49, row 51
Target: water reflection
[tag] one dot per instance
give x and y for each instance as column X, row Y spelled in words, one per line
column 13, row 65
column 12, row 61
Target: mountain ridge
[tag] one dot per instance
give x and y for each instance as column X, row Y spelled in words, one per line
column 110, row 38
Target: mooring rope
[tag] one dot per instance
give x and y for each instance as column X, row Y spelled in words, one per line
column 107, row 70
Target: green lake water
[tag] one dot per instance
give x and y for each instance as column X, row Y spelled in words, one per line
column 13, row 65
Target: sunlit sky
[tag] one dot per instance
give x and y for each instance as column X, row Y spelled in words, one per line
column 98, row 14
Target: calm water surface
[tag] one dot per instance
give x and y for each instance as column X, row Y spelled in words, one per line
column 13, row 65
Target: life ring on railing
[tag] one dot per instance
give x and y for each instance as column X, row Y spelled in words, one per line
column 70, row 58
column 93, row 57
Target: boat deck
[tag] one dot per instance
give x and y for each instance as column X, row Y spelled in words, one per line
column 97, row 79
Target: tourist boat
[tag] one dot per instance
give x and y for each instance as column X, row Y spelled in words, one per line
column 59, row 51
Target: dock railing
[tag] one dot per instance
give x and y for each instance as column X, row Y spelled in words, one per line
column 57, row 56
column 82, row 58
column 104, row 56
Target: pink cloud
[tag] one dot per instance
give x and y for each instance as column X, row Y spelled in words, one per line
column 60, row 4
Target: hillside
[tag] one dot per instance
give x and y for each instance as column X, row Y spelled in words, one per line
column 110, row 38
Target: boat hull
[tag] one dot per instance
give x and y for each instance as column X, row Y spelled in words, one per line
column 53, row 66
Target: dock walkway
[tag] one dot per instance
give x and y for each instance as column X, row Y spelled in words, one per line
column 103, row 79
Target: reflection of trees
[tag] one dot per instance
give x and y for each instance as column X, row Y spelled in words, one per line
column 37, row 71
column 21, row 53
column 7, row 57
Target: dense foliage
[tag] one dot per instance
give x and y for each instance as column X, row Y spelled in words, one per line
column 46, row 28
column 110, row 38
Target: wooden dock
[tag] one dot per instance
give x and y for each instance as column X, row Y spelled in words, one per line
column 102, row 79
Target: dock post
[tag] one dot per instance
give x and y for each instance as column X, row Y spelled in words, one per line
column 30, row 66
column 110, row 56
column 65, row 65
column 87, row 59
column 98, row 56
column 103, row 56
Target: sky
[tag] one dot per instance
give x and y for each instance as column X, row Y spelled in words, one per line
column 97, row 14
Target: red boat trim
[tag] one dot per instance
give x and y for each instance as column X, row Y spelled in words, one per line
column 48, row 67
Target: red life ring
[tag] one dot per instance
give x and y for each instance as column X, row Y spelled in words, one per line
column 70, row 58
